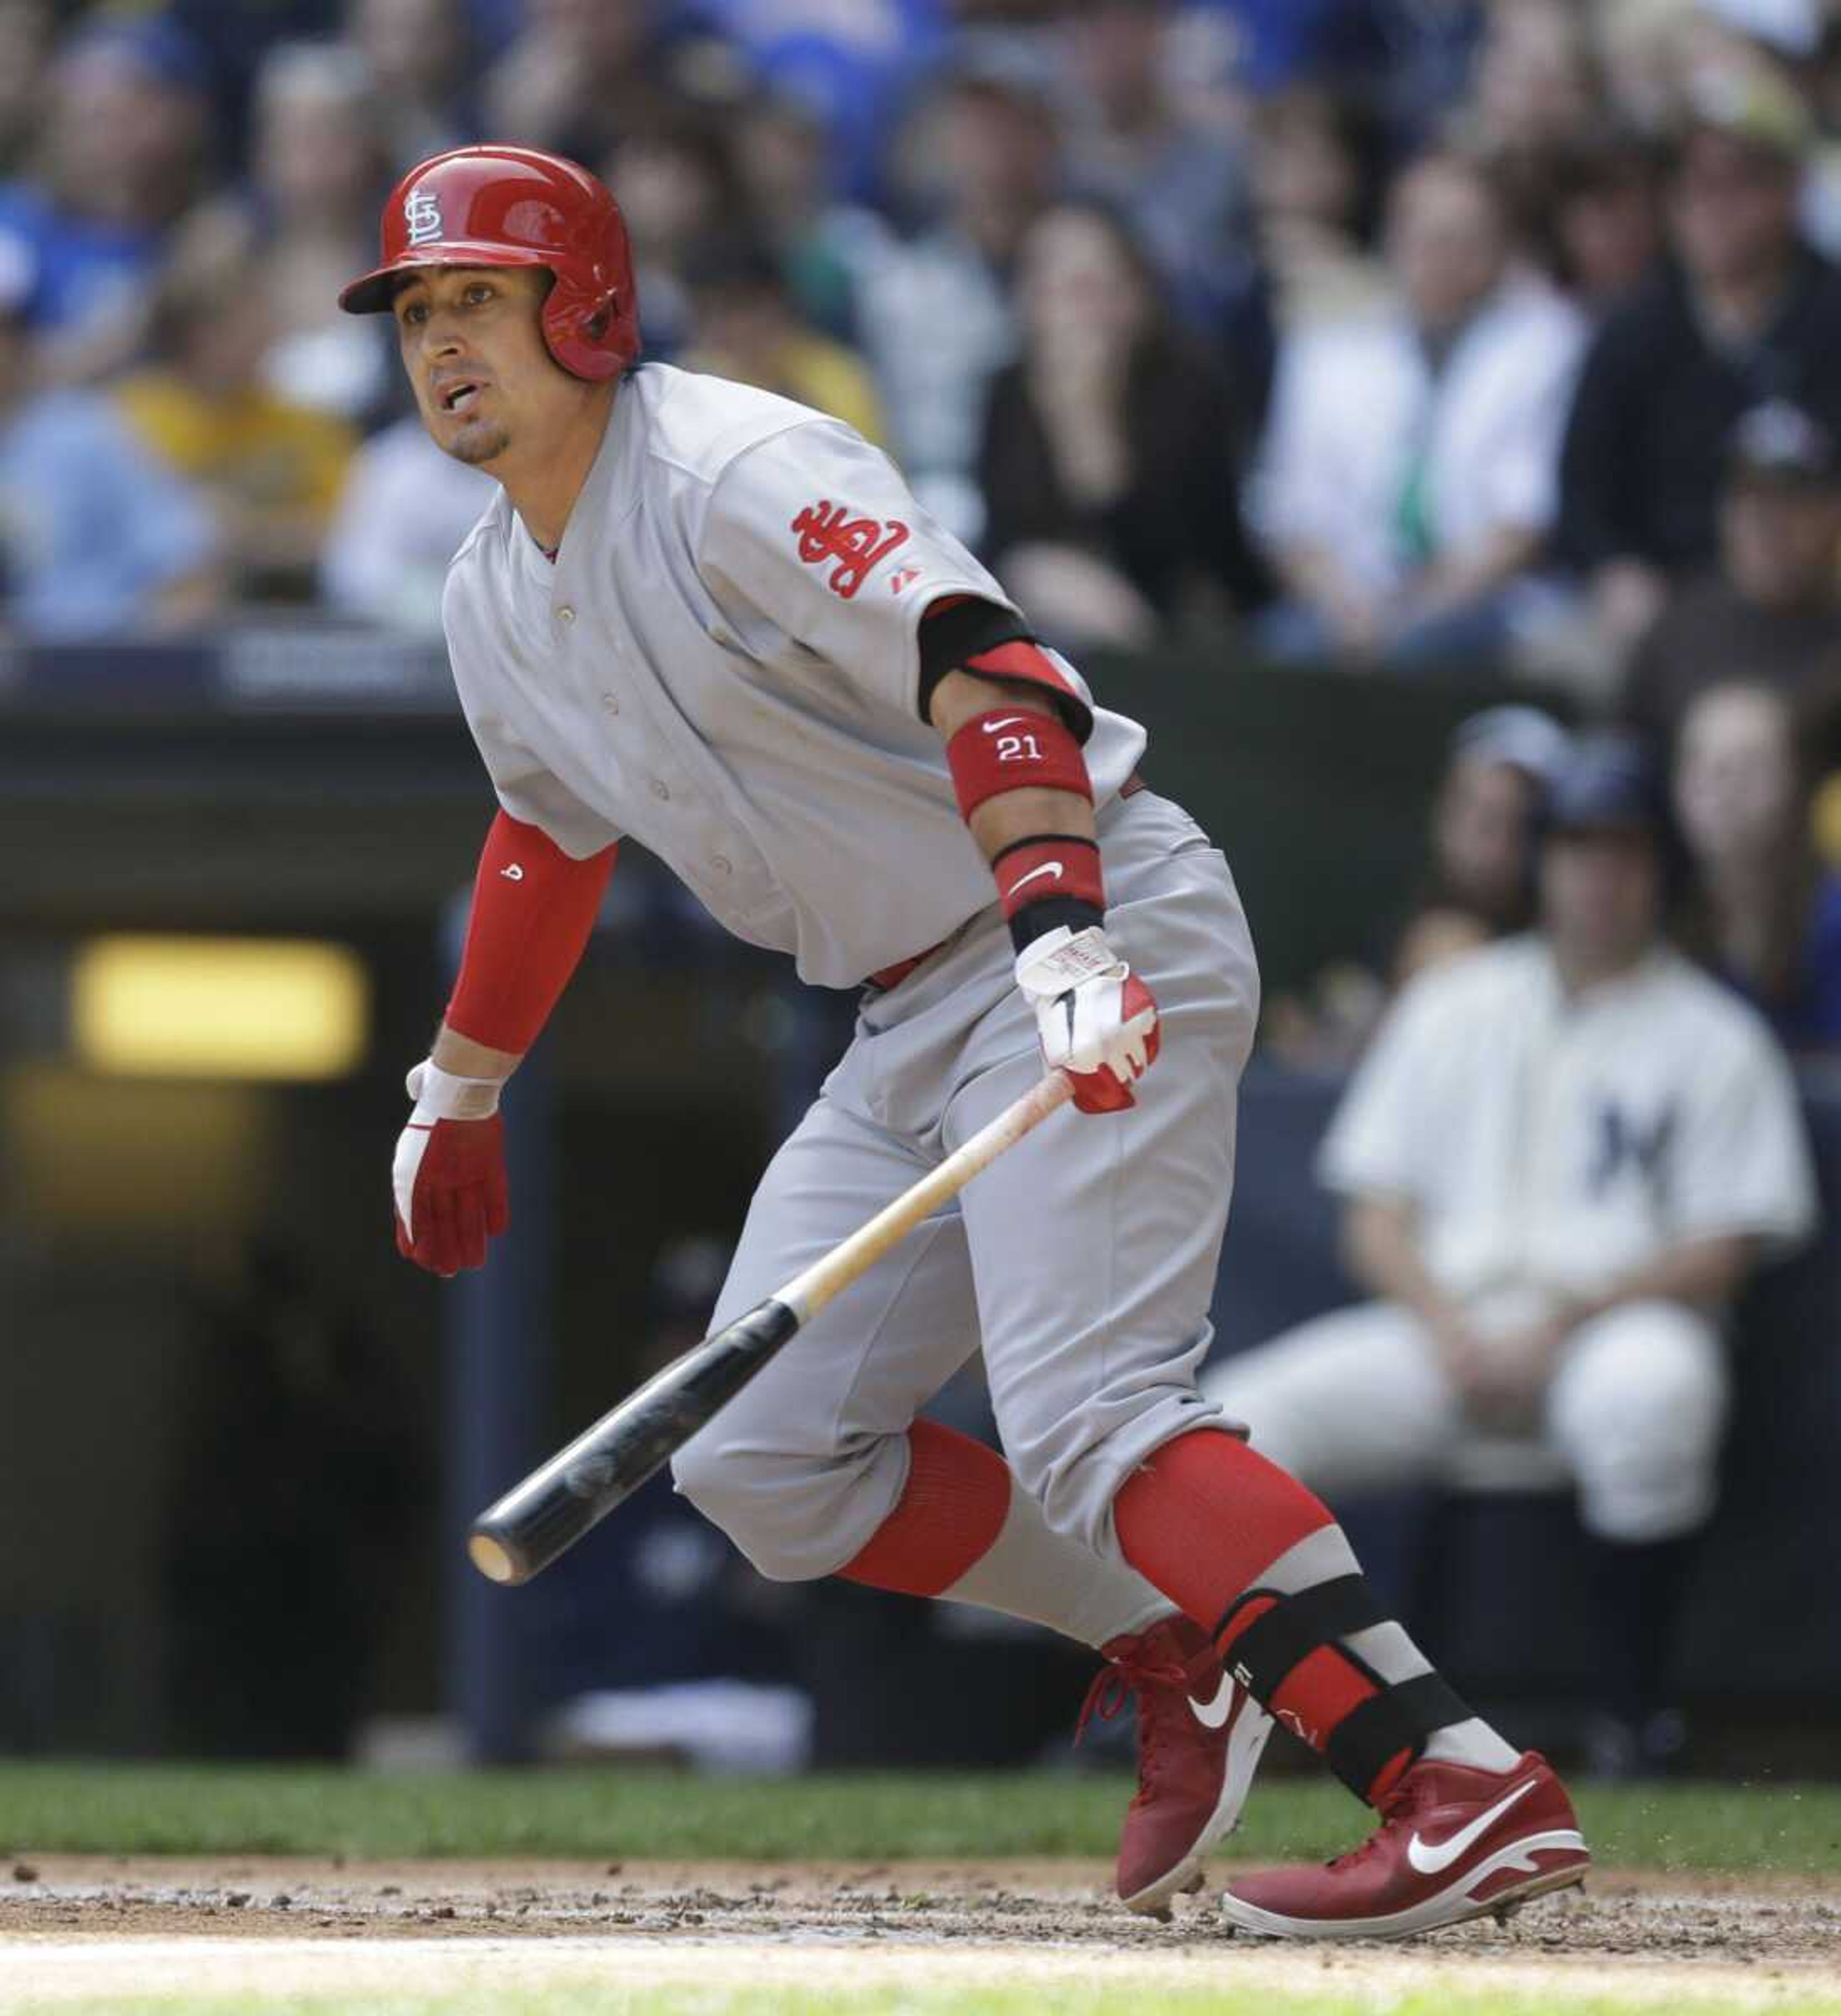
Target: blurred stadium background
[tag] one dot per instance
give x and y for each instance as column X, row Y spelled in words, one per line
column 1159, row 305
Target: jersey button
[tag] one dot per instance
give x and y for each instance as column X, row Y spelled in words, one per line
column 612, row 705
column 722, row 865
column 658, row 788
column 566, row 614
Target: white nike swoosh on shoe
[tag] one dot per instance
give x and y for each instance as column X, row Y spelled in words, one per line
column 1048, row 868
column 1212, row 1714
column 1009, row 721
column 1429, row 1859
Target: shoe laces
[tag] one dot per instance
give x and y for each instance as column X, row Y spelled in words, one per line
column 1135, row 1671
column 1401, row 1808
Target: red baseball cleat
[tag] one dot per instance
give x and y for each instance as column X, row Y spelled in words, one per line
column 1200, row 1736
column 1454, row 1843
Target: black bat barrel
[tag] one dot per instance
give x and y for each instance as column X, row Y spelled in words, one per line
column 554, row 1507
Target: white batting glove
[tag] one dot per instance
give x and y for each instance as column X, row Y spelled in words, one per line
column 1098, row 1021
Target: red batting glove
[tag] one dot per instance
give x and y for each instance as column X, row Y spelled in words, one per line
column 448, row 1175
column 1097, row 1019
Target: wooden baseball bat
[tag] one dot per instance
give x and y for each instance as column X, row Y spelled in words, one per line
column 555, row 1505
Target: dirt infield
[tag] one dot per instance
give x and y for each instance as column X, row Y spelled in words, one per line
column 73, row 1927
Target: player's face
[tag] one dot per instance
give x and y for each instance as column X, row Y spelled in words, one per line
column 473, row 347
column 1600, row 896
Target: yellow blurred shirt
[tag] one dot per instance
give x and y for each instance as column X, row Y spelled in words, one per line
column 266, row 451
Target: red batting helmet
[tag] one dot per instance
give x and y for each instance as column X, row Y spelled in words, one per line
column 516, row 207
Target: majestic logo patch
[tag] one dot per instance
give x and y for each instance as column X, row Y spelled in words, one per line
column 423, row 214
column 904, row 577
column 827, row 531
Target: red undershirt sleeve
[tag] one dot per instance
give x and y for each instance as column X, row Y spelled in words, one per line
column 533, row 908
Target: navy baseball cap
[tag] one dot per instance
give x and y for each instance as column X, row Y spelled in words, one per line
column 1607, row 780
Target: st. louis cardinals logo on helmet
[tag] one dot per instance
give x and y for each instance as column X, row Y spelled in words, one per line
column 423, row 214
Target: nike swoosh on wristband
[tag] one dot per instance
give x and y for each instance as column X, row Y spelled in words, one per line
column 1212, row 1714
column 1048, row 868
column 1009, row 721
column 1429, row 1859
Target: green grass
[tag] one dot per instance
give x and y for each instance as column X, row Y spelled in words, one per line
column 284, row 1809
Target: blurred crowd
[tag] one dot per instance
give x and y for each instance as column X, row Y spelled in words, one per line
column 1472, row 336
column 1401, row 331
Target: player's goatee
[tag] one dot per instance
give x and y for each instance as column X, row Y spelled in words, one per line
column 479, row 448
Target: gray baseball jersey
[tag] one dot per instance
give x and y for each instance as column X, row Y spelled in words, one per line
column 722, row 661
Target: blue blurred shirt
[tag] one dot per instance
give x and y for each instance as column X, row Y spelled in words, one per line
column 91, row 526
column 853, row 66
column 85, row 271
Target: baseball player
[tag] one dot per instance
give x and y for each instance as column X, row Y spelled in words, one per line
column 1562, row 1157
column 719, row 621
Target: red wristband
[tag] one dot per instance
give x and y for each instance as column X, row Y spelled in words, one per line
column 533, row 907
column 1007, row 749
column 1049, row 865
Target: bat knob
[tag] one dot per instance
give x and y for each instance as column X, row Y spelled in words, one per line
column 493, row 1558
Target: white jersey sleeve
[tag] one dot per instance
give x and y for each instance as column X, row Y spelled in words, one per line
column 1744, row 1165
column 815, row 534
column 530, row 792
column 1379, row 1142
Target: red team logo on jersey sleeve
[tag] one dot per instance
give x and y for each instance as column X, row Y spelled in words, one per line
column 827, row 531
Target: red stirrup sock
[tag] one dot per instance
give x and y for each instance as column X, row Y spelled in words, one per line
column 951, row 1511
column 1207, row 1520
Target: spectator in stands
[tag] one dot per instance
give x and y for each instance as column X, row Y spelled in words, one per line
column 1535, row 86
column 584, row 73
column 781, row 152
column 423, row 62
column 934, row 309
column 1109, row 464
column 1600, row 232
column 25, row 47
column 1773, row 609
column 236, row 38
column 846, row 69
column 1765, row 917
column 94, row 537
column 124, row 142
column 678, row 181
column 1821, row 184
column 1416, row 56
column 1408, row 482
column 745, row 326
column 1182, row 185
column 1481, row 887
column 1561, row 1158
column 1319, row 176
column 1746, row 313
column 271, row 470
column 401, row 515
column 1478, row 885
column 320, row 165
